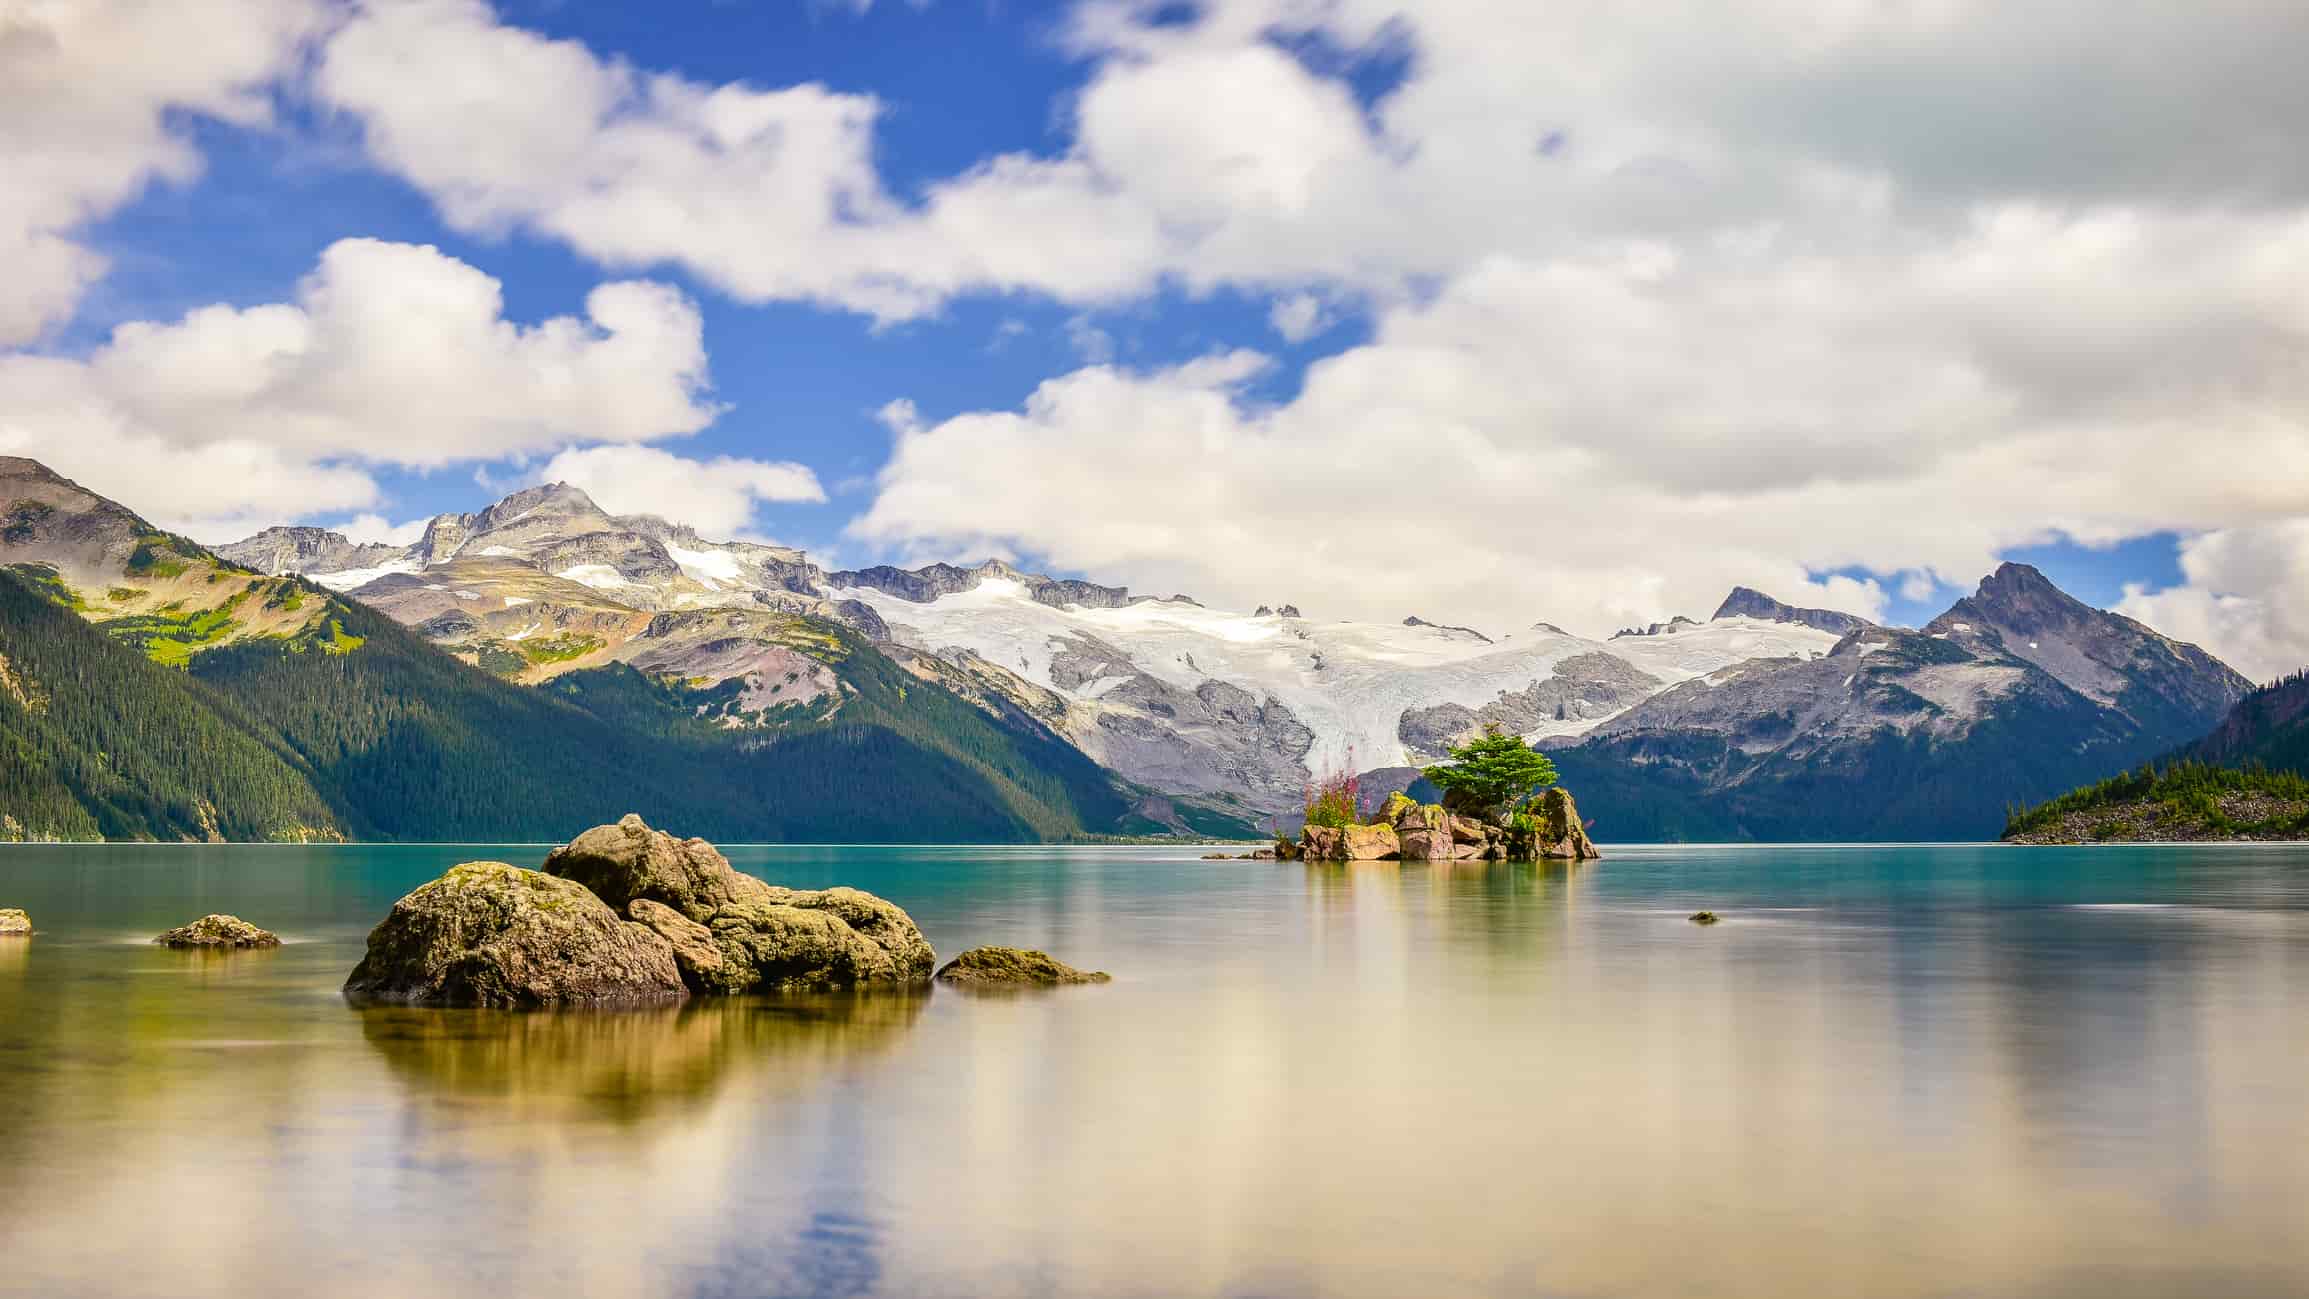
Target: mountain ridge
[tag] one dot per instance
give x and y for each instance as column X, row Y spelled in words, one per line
column 1767, row 719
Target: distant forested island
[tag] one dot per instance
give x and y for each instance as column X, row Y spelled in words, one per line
column 2182, row 802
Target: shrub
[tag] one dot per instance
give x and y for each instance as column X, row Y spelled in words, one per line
column 1335, row 798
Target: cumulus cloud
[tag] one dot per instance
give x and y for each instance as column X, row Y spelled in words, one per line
column 1613, row 438
column 391, row 354
column 717, row 496
column 89, row 93
column 2247, row 592
column 378, row 529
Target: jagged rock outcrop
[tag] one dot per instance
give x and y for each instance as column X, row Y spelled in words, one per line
column 731, row 932
column 13, row 922
column 305, row 550
column 218, row 931
column 1013, row 966
column 1561, row 835
column 628, row 861
column 491, row 934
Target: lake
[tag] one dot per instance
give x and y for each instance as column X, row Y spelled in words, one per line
column 1921, row 1071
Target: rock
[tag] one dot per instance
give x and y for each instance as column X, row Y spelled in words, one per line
column 1372, row 843
column 1422, row 845
column 490, row 934
column 217, row 931
column 14, row 922
column 1012, row 965
column 1704, row 917
column 1288, row 850
column 1349, row 843
column 1218, row 856
column 834, row 938
column 622, row 862
column 1323, row 843
column 695, row 953
column 1561, row 833
column 1466, row 829
column 1266, row 854
column 1461, row 803
column 1400, row 808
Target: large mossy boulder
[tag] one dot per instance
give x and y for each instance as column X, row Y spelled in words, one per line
column 218, row 931
column 490, row 934
column 828, row 938
column 14, row 923
column 628, row 861
column 1014, row 967
column 732, row 932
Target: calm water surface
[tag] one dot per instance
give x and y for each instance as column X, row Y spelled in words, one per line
column 1891, row 1071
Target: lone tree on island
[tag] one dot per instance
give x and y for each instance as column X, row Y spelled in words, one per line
column 1493, row 771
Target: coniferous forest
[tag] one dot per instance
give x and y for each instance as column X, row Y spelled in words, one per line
column 270, row 739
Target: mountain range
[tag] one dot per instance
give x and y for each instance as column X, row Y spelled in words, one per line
column 1766, row 721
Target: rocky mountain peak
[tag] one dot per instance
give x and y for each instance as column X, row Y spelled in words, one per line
column 279, row 550
column 545, row 501
column 2103, row 656
column 1747, row 602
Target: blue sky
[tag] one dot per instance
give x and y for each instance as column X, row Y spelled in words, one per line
column 1376, row 307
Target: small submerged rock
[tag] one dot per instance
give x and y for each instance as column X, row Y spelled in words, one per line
column 1705, row 917
column 1014, row 966
column 217, row 931
column 14, row 922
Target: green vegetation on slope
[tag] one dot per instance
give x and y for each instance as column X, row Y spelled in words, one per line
column 410, row 743
column 98, row 741
column 2269, row 727
column 2179, row 801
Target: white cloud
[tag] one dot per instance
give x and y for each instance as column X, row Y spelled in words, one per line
column 1299, row 317
column 2246, row 597
column 86, row 89
column 1611, row 439
column 392, row 354
column 718, row 497
column 380, row 530
column 1089, row 342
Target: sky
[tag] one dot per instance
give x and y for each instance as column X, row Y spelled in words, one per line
column 1479, row 310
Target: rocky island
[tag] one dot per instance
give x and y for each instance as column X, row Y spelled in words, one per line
column 2186, row 802
column 625, row 913
column 1500, row 803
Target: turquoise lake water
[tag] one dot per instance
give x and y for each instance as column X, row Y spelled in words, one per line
column 1926, row 1071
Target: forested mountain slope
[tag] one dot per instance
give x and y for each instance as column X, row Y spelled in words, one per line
column 258, row 706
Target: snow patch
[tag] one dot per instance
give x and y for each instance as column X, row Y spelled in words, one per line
column 712, row 567
column 597, row 576
column 345, row 579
